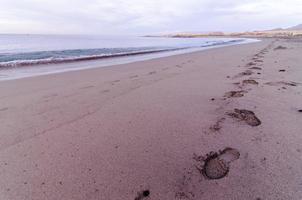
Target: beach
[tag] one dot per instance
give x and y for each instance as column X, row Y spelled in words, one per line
column 143, row 130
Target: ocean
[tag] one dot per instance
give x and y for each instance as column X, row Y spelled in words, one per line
column 31, row 55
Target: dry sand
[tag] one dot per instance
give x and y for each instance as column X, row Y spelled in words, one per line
column 144, row 129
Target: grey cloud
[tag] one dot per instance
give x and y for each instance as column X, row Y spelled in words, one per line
column 144, row 16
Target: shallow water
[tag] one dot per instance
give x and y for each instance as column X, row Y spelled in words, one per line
column 33, row 51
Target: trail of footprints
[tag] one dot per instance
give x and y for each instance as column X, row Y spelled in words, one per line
column 216, row 165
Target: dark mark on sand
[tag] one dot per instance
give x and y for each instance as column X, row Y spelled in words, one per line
column 216, row 165
column 256, row 68
column 280, row 48
column 245, row 115
column 153, row 72
column 290, row 83
column 143, row 194
column 217, row 126
column 246, row 73
column 234, row 94
column 3, row 109
column 250, row 81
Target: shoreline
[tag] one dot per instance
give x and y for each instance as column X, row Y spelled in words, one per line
column 146, row 128
column 38, row 69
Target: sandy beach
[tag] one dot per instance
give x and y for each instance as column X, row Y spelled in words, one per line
column 144, row 130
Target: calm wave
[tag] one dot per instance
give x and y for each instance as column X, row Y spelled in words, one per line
column 24, row 50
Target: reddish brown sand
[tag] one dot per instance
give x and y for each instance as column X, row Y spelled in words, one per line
column 120, row 132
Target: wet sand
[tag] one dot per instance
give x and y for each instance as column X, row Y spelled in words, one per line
column 217, row 124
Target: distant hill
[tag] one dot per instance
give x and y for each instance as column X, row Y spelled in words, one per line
column 291, row 32
column 295, row 28
column 276, row 29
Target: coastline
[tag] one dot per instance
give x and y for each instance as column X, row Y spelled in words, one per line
column 8, row 71
column 113, row 132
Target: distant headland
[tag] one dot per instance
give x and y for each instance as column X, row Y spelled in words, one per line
column 291, row 32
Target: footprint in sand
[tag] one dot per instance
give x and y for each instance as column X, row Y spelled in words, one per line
column 142, row 195
column 245, row 115
column 217, row 126
column 258, row 56
column 105, row 91
column 245, row 73
column 235, row 94
column 250, row 64
column 280, row 48
column 256, row 68
column 50, row 95
column 217, row 165
column 250, row 81
column 134, row 76
column 87, row 87
column 153, row 72
column 4, row 109
column 278, row 83
column 114, row 82
column 258, row 60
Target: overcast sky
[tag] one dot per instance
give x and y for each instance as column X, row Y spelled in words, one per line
column 145, row 16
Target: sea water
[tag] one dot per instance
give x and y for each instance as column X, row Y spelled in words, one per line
column 29, row 55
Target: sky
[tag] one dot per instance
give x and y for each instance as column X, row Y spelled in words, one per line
column 136, row 17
